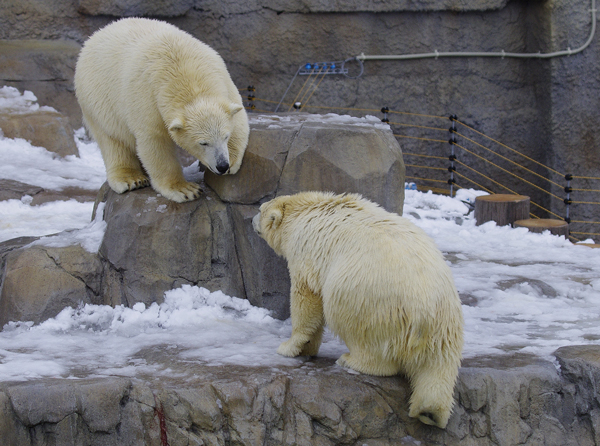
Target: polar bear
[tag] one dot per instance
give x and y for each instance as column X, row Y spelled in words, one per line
column 143, row 86
column 379, row 283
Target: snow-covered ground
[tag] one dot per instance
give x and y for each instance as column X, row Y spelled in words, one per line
column 522, row 292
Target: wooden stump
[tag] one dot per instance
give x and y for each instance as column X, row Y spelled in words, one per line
column 556, row 227
column 504, row 209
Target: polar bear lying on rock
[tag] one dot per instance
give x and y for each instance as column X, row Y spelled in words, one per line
column 144, row 86
column 379, row 283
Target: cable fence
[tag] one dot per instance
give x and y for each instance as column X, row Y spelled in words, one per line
column 444, row 154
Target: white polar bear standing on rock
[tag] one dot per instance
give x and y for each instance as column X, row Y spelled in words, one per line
column 144, row 85
column 380, row 284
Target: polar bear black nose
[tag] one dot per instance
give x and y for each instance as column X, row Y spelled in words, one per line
column 222, row 167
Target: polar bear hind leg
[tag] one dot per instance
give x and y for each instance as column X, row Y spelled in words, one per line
column 123, row 169
column 365, row 360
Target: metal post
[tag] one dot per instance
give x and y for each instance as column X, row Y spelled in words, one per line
column 452, row 156
column 251, row 97
column 385, row 111
column 567, row 200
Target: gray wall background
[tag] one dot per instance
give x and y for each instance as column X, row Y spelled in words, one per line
column 547, row 109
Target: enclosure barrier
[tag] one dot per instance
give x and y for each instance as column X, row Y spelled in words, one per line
column 465, row 158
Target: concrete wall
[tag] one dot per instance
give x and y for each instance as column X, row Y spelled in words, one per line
column 547, row 109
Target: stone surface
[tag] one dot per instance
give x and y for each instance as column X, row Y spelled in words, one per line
column 299, row 152
column 152, row 245
column 502, row 401
column 47, row 129
column 38, row 282
column 264, row 160
column 46, row 68
column 14, row 190
column 265, row 275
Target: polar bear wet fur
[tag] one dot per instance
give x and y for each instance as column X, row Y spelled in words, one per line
column 379, row 283
column 143, row 86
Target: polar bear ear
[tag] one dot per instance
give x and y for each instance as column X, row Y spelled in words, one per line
column 274, row 218
column 234, row 108
column 176, row 124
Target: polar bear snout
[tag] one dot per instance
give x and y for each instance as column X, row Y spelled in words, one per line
column 222, row 167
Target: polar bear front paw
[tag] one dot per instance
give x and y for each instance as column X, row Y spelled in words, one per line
column 289, row 348
column 183, row 192
column 129, row 180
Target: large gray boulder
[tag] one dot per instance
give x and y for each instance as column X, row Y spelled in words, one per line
column 39, row 281
column 290, row 153
column 152, row 245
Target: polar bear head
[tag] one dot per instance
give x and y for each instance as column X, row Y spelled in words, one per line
column 268, row 220
column 203, row 129
column 272, row 221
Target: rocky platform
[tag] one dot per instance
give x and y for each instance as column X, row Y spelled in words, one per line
column 508, row 401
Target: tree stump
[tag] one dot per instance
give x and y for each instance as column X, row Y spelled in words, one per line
column 504, row 209
column 539, row 225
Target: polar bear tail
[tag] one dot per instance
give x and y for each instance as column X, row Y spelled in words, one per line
column 433, row 393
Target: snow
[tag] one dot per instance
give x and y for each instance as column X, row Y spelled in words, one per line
column 12, row 101
column 36, row 166
column 521, row 292
column 276, row 121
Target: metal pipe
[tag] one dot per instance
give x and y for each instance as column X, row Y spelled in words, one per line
column 502, row 54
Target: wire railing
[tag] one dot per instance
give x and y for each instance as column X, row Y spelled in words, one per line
column 442, row 159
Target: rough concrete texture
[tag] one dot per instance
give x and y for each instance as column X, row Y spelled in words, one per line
column 504, row 401
column 135, row 8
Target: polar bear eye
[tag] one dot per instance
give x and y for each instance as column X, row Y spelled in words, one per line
column 203, row 143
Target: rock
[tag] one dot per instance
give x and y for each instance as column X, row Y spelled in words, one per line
column 65, row 194
column 15, row 190
column 47, row 129
column 265, row 275
column 502, row 401
column 290, row 153
column 152, row 245
column 45, row 67
column 263, row 162
column 38, row 282
column 580, row 364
